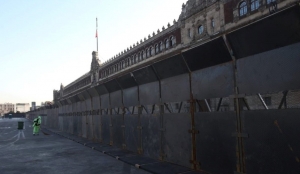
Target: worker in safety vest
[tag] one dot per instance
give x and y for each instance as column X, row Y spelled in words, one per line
column 36, row 125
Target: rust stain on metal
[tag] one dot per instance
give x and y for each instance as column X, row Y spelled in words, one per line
column 277, row 125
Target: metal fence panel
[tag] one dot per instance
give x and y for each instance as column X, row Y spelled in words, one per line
column 279, row 29
column 79, row 119
column 117, row 130
column 130, row 97
column 96, row 118
column 83, row 120
column 212, row 82
column 216, row 147
column 105, row 101
column 132, row 139
column 105, row 120
column 89, row 119
column 177, row 139
column 273, row 145
column 116, row 99
column 206, row 55
column 175, row 88
column 270, row 71
column 151, row 138
column 149, row 93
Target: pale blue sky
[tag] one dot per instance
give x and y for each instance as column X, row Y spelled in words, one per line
column 47, row 42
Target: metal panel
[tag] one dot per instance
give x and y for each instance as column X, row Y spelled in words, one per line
column 213, row 82
column 69, row 101
column 86, row 94
column 126, row 81
column 170, row 67
column 151, row 135
column 116, row 99
column 216, row 147
column 83, row 120
column 117, row 130
column 89, row 120
column 175, row 88
column 105, row 119
column 101, row 89
column 81, row 97
column 75, row 120
column 177, row 139
column 132, row 139
column 145, row 75
column 112, row 86
column 92, row 92
column 273, row 145
column 276, row 31
column 206, row 55
column 105, row 101
column 270, row 71
column 79, row 118
column 130, row 97
column 149, row 93
column 96, row 118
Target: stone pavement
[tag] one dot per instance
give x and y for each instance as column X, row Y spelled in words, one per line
column 58, row 152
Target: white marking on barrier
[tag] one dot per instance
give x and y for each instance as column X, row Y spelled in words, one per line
column 23, row 135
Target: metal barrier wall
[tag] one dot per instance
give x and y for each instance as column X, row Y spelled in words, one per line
column 211, row 107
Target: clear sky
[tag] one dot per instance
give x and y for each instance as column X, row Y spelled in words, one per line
column 44, row 43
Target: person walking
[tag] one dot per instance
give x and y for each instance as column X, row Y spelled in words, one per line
column 36, row 125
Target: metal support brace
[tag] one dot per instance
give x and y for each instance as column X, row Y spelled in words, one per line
column 262, row 101
column 283, row 100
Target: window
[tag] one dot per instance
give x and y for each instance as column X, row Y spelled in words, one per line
column 147, row 52
column 254, row 4
column 269, row 1
column 160, row 46
column 152, row 51
column 243, row 8
column 172, row 41
column 156, row 49
column 139, row 57
column 143, row 54
column 200, row 29
column 136, row 59
column 212, row 25
column 189, row 33
column 167, row 43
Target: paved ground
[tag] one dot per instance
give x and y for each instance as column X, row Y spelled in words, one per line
column 21, row 152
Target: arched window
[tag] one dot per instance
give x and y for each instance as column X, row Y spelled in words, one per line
column 132, row 60
column 147, row 53
column 123, row 64
column 243, row 8
column 143, row 55
column 167, row 43
column 172, row 41
column 161, row 46
column 254, row 4
column 139, row 57
column 136, row 58
column 200, row 29
column 152, row 51
column 156, row 48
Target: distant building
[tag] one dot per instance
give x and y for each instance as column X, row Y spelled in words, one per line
column 6, row 107
column 33, row 106
column 22, row 107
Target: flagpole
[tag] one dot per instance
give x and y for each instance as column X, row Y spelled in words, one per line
column 97, row 32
